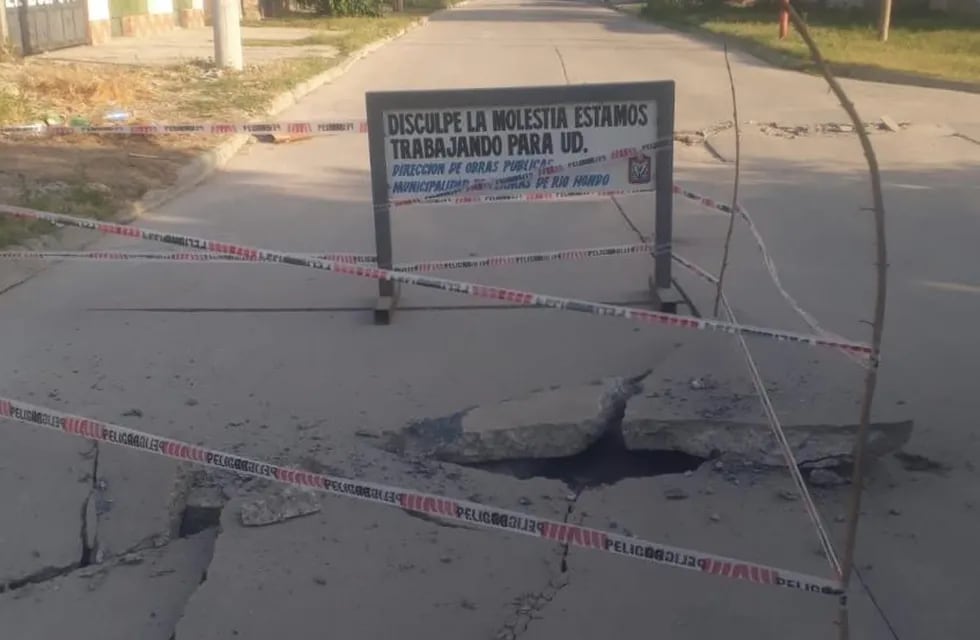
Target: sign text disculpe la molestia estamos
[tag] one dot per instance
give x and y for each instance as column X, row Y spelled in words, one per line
column 527, row 131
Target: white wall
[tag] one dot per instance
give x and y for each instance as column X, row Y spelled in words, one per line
column 160, row 6
column 199, row 4
column 98, row 10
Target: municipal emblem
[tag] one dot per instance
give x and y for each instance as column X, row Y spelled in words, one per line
column 641, row 169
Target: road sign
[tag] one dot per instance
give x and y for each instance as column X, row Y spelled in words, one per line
column 529, row 143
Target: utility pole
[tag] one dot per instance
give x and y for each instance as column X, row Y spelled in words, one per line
column 4, row 29
column 884, row 20
column 225, row 18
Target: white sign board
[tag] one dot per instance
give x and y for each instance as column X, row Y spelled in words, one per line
column 534, row 143
column 433, row 152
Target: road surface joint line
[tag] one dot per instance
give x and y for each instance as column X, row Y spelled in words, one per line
column 453, row 286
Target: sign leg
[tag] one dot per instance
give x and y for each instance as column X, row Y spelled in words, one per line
column 387, row 290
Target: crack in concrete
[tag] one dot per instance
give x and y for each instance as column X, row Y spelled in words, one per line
column 90, row 518
column 41, row 575
column 963, row 136
column 702, row 137
column 529, row 606
column 204, row 573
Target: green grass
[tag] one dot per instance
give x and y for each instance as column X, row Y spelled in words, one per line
column 75, row 199
column 347, row 34
column 927, row 44
column 13, row 107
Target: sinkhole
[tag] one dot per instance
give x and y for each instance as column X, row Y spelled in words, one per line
column 605, row 462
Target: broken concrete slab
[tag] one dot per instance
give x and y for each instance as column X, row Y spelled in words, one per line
column 138, row 499
column 45, row 479
column 627, row 597
column 369, row 571
column 281, row 505
column 136, row 596
column 700, row 401
column 545, row 424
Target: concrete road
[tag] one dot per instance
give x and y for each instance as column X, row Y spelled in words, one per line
column 284, row 364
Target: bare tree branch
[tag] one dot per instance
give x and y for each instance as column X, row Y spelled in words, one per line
column 738, row 171
column 881, row 257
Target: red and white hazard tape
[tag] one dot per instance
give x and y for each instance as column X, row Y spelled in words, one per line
column 470, row 193
column 429, row 265
column 768, row 262
column 464, row 511
column 452, row 286
column 538, row 196
column 296, row 127
column 161, row 256
column 774, row 424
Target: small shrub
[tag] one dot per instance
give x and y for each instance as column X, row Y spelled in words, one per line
column 345, row 7
column 655, row 7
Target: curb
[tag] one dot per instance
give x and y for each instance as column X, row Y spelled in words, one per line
column 207, row 162
column 188, row 175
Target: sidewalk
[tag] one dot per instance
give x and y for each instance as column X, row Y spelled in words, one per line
column 186, row 45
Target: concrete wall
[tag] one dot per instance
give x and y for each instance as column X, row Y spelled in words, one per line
column 160, row 6
column 99, row 25
column 98, row 10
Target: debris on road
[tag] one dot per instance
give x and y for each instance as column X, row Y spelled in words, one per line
column 281, row 506
column 826, row 478
column 890, row 123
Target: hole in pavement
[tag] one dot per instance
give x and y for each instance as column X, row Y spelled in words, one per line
column 199, row 518
column 606, row 462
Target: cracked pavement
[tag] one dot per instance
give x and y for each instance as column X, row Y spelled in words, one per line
column 283, row 364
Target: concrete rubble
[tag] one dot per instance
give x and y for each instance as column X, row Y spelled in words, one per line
column 138, row 595
column 283, row 504
column 553, row 423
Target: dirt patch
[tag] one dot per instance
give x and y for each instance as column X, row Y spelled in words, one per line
column 91, row 177
column 97, row 176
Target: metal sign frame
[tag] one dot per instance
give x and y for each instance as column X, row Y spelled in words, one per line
column 660, row 92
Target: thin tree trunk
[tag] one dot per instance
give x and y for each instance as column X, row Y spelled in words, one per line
column 877, row 327
column 884, row 20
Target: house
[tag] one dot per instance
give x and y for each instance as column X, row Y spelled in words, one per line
column 35, row 26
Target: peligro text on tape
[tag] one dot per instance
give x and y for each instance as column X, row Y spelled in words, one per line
column 163, row 256
column 515, row 296
column 294, row 127
column 440, row 506
column 428, row 265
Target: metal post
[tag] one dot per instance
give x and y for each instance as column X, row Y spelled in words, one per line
column 783, row 19
column 663, row 162
column 4, row 30
column 387, row 290
column 225, row 16
column 24, row 18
